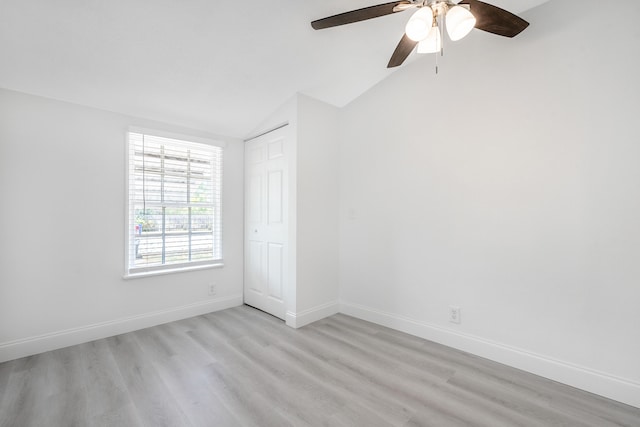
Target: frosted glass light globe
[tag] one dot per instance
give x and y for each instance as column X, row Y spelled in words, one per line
column 419, row 24
column 431, row 44
column 460, row 22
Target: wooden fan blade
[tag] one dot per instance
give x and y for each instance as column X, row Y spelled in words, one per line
column 494, row 20
column 402, row 51
column 357, row 15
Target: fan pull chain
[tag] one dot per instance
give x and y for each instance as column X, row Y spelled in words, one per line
column 435, row 19
column 439, row 28
column 436, row 64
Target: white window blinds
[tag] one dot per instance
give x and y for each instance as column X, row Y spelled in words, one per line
column 174, row 204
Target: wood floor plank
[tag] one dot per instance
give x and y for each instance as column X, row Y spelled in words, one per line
column 67, row 404
column 302, row 355
column 108, row 400
column 17, row 395
column 5, row 372
column 35, row 393
column 373, row 407
column 272, row 378
column 242, row 367
column 155, row 405
column 181, row 371
column 123, row 416
column 238, row 385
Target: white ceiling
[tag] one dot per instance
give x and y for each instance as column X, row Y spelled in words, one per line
column 218, row 66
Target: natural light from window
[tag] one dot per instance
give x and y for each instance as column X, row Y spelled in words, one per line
column 174, row 204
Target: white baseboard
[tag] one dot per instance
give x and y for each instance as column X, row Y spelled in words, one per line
column 590, row 380
column 302, row 318
column 55, row 340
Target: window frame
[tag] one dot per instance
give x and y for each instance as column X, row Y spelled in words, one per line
column 129, row 229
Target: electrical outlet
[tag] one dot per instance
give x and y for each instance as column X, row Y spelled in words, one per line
column 454, row 314
column 212, row 289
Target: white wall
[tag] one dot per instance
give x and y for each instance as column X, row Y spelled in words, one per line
column 507, row 185
column 62, row 186
column 317, row 209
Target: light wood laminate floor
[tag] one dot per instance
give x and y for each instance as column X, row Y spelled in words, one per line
column 242, row 367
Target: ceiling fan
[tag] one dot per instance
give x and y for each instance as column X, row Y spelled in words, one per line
column 426, row 26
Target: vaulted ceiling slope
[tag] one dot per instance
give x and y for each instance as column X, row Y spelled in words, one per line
column 213, row 65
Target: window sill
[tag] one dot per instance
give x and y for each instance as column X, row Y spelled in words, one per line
column 140, row 275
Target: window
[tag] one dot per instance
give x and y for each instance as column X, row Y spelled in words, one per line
column 174, row 204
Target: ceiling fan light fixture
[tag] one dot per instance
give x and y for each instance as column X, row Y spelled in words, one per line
column 433, row 42
column 454, row 14
column 460, row 22
column 419, row 24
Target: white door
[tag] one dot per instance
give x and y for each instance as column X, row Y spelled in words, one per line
column 265, row 222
